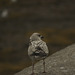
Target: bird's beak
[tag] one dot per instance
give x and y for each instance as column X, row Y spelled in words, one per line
column 41, row 37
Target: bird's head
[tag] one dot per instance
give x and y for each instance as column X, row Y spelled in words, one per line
column 36, row 37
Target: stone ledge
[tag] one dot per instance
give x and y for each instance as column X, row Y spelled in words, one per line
column 60, row 63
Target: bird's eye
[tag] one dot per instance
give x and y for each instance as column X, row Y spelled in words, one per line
column 39, row 35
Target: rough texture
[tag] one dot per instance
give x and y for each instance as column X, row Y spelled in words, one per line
column 60, row 63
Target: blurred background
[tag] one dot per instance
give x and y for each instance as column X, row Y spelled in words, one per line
column 54, row 19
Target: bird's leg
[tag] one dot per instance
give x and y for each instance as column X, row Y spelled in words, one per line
column 44, row 65
column 32, row 68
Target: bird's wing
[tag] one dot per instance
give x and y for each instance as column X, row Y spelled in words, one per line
column 32, row 48
column 43, row 47
column 38, row 48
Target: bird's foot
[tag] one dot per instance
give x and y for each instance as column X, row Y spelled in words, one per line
column 34, row 74
column 44, row 72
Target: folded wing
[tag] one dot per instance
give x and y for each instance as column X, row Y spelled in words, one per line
column 38, row 49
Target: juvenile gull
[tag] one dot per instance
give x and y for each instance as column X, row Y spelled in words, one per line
column 37, row 49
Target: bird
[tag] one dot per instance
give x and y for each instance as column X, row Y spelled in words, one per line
column 37, row 50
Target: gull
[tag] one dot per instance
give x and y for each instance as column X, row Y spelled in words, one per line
column 37, row 50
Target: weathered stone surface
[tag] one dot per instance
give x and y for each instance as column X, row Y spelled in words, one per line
column 60, row 63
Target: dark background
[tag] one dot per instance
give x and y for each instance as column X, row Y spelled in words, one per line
column 54, row 19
